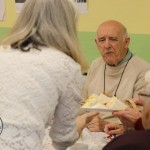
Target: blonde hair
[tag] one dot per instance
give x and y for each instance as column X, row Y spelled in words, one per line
column 50, row 23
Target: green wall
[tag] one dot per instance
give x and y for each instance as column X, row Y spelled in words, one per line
column 139, row 44
column 3, row 31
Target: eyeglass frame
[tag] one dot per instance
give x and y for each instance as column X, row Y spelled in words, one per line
column 144, row 94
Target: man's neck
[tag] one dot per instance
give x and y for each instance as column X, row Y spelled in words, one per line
column 125, row 59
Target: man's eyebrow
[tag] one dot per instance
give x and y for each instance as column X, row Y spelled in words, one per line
column 101, row 37
column 114, row 37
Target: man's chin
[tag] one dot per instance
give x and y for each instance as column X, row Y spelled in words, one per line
column 110, row 62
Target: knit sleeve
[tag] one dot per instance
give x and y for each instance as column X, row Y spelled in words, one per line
column 64, row 125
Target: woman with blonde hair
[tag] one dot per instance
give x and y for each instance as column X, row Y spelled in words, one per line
column 40, row 77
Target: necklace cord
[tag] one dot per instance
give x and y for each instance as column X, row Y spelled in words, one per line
column 120, row 77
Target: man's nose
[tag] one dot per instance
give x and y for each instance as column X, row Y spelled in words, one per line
column 107, row 44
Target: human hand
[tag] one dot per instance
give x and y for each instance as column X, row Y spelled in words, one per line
column 84, row 119
column 138, row 101
column 114, row 129
column 128, row 116
column 96, row 124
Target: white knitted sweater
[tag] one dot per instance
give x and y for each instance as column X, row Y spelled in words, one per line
column 36, row 86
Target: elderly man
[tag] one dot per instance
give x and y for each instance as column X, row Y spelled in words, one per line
column 118, row 73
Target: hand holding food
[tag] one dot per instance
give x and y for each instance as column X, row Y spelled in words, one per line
column 128, row 116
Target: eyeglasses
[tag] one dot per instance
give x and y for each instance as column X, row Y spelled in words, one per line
column 145, row 97
column 144, row 94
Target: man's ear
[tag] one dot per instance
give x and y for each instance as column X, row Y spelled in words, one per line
column 127, row 41
column 96, row 42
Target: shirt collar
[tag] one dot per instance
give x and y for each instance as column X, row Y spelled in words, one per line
column 127, row 57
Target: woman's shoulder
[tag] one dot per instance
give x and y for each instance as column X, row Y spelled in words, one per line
column 57, row 55
column 61, row 62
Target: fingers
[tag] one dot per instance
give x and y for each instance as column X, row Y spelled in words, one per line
column 91, row 114
column 138, row 101
column 115, row 132
column 114, row 129
column 109, row 127
column 95, row 120
column 93, row 128
column 96, row 124
column 124, row 113
column 128, row 117
column 109, row 130
column 118, row 113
